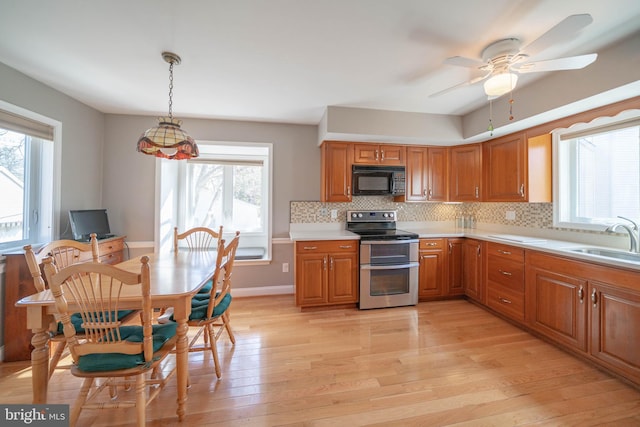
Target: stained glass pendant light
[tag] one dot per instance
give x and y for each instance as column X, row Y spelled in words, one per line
column 167, row 140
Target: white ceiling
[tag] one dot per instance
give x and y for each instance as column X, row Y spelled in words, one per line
column 282, row 60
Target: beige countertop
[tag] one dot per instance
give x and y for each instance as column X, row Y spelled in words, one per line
column 335, row 231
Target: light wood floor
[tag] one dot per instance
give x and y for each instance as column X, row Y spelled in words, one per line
column 439, row 363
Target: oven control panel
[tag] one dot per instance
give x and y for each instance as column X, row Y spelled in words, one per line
column 371, row 216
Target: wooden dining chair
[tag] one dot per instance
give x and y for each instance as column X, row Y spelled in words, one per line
column 210, row 312
column 64, row 253
column 109, row 349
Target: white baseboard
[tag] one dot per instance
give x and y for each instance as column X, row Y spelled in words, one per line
column 262, row 290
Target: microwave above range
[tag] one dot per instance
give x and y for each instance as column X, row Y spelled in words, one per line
column 378, row 180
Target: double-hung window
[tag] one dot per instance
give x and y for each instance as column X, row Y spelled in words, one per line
column 26, row 179
column 228, row 185
column 597, row 173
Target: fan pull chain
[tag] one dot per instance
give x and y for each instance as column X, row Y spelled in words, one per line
column 490, row 128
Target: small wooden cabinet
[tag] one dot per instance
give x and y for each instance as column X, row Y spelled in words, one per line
column 472, row 269
column 379, row 154
column 426, row 174
column 505, row 280
column 517, row 169
column 455, row 284
column 326, row 272
column 19, row 284
column 432, row 268
column 336, row 159
column 465, row 176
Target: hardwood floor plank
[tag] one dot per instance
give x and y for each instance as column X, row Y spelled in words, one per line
column 435, row 364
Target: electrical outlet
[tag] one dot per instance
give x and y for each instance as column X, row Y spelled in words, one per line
column 285, row 267
column 334, row 213
column 323, row 212
column 510, row 215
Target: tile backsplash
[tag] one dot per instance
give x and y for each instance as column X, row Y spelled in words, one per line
column 534, row 215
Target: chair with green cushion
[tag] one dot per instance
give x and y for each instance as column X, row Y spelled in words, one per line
column 210, row 313
column 64, row 253
column 109, row 349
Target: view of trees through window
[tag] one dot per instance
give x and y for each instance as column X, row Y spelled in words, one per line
column 13, row 148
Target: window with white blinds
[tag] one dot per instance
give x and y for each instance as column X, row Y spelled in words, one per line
column 26, row 178
column 598, row 174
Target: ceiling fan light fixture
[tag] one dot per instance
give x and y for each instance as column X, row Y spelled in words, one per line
column 499, row 84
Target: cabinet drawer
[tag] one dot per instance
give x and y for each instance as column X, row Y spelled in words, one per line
column 109, row 246
column 112, row 258
column 506, row 301
column 506, row 272
column 318, row 246
column 431, row 244
column 506, row 251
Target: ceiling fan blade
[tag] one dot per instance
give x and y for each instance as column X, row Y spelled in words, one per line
column 461, row 61
column 559, row 33
column 469, row 83
column 568, row 63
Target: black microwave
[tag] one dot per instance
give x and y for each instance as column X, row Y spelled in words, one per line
column 378, row 180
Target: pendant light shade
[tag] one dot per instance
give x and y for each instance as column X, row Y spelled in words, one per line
column 167, row 140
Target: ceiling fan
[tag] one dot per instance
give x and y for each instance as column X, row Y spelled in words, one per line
column 504, row 59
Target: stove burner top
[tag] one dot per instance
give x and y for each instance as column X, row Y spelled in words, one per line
column 385, row 235
column 376, row 225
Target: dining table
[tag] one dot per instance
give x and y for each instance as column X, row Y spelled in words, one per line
column 175, row 278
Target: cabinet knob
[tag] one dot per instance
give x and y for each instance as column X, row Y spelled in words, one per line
column 504, row 252
column 581, row 294
column 310, row 248
column 505, row 273
column 594, row 298
column 504, row 300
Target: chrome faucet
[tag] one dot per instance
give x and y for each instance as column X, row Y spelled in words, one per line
column 634, row 233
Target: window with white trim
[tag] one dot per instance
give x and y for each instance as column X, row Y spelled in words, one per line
column 597, row 173
column 26, row 180
column 228, row 185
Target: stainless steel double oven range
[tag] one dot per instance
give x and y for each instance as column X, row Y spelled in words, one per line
column 388, row 260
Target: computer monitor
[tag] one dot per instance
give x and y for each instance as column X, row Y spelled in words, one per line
column 85, row 222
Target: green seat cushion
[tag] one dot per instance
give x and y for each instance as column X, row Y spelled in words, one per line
column 76, row 320
column 206, row 289
column 199, row 308
column 114, row 361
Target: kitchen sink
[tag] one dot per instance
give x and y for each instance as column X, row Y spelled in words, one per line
column 610, row 253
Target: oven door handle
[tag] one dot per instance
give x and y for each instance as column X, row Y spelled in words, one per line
column 388, row 242
column 389, row 266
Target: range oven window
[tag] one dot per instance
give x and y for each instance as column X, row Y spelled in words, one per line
column 390, row 253
column 389, row 282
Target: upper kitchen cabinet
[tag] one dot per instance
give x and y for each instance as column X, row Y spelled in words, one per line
column 465, row 167
column 426, row 174
column 378, row 154
column 517, row 169
column 336, row 159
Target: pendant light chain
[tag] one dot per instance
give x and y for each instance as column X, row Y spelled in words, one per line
column 170, row 89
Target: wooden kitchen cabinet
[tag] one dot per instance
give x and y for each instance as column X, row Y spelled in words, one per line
column 336, row 159
column 432, row 270
column 19, row 284
column 465, row 173
column 426, row 174
column 517, row 169
column 379, row 154
column 615, row 328
column 505, row 280
column 472, row 269
column 556, row 300
column 326, row 272
column 455, row 284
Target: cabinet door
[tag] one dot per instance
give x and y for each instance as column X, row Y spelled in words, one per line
column 311, row 279
column 557, row 306
column 465, row 173
column 392, row 155
column 437, row 171
column 366, row 153
column 416, row 174
column 343, row 278
column 336, row 172
column 505, row 169
column 431, row 273
column 455, row 285
column 615, row 328
column 472, row 269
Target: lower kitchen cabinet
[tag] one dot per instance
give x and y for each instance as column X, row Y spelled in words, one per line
column 455, row 284
column 326, row 272
column 556, row 301
column 505, row 280
column 615, row 328
column 472, row 269
column 432, row 268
